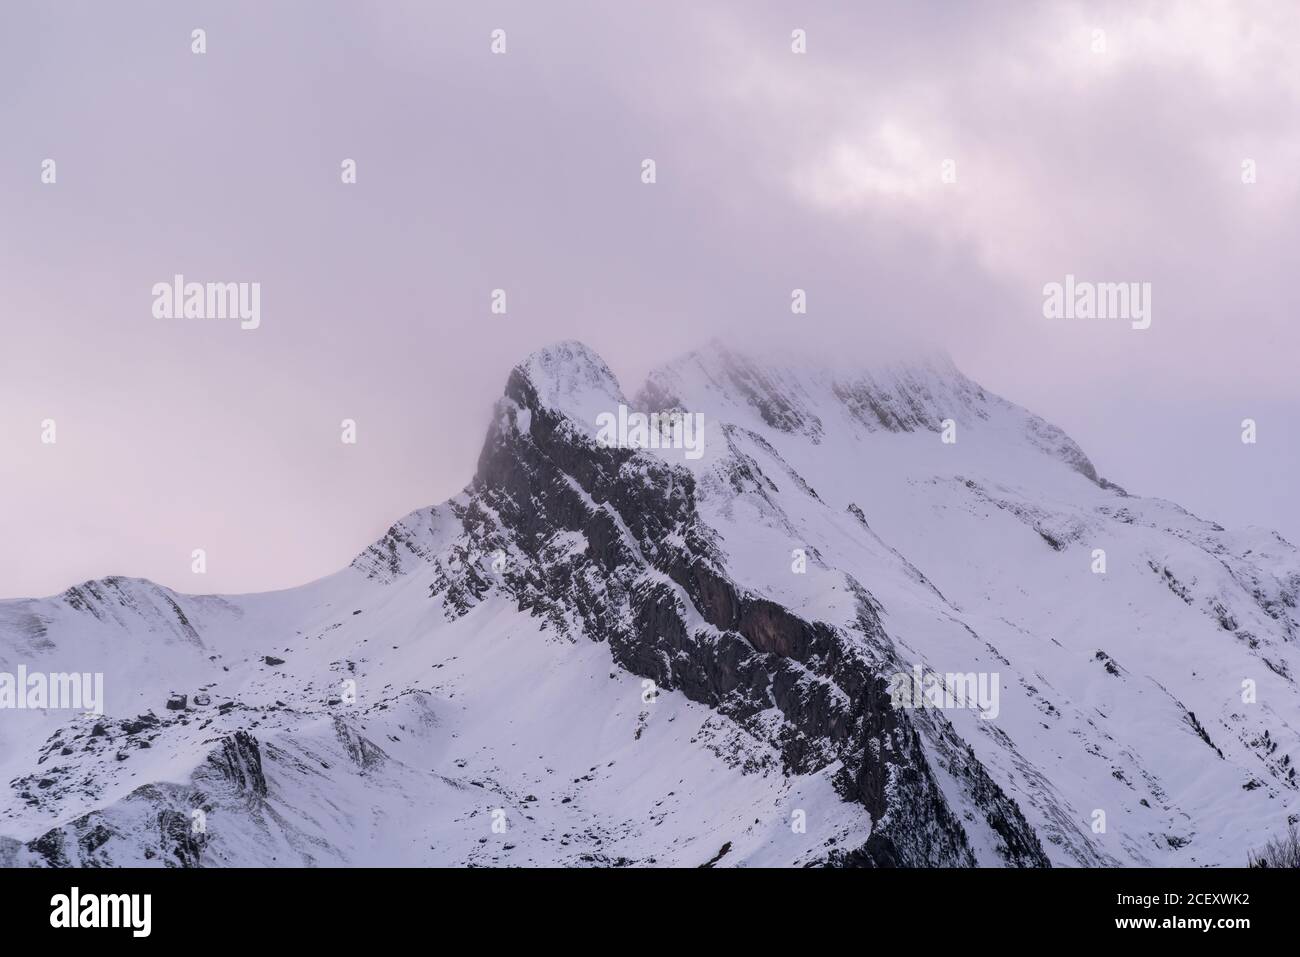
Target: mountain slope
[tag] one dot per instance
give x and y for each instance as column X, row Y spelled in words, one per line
column 609, row 655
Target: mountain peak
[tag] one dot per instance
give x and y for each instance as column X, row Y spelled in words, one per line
column 899, row 389
column 568, row 377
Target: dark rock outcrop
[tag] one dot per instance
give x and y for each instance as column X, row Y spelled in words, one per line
column 239, row 761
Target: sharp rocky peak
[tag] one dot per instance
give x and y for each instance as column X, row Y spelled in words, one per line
column 567, row 377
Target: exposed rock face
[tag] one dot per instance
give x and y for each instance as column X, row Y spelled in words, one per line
column 651, row 584
column 239, row 760
column 361, row 750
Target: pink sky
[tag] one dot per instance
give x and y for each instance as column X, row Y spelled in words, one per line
column 522, row 172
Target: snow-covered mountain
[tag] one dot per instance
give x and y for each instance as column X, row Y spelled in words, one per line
column 605, row 655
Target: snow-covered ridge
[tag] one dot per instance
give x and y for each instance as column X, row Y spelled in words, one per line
column 917, row 394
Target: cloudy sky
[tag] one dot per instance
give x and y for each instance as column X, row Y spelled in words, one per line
column 1114, row 156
